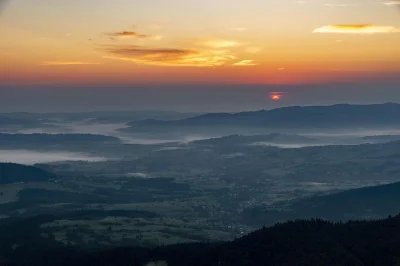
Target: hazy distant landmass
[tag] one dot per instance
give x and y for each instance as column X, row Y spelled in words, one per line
column 6, row 121
column 96, row 116
column 339, row 116
column 52, row 139
column 270, row 138
column 381, row 138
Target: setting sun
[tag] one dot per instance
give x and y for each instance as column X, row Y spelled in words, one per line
column 276, row 97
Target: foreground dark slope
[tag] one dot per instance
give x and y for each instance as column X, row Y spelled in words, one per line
column 313, row 242
column 374, row 202
column 341, row 115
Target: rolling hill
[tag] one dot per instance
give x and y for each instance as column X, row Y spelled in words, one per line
column 15, row 173
column 373, row 202
column 341, row 115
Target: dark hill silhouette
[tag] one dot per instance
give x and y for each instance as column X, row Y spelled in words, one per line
column 373, row 202
column 14, row 173
column 301, row 242
column 381, row 138
column 341, row 115
column 47, row 139
column 240, row 139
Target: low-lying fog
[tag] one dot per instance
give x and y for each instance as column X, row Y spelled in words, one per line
column 287, row 146
column 32, row 157
column 345, row 137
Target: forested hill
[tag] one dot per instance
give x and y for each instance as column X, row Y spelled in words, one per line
column 14, row 173
column 312, row 242
column 373, row 202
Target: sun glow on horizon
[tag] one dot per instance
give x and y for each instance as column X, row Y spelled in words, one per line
column 144, row 46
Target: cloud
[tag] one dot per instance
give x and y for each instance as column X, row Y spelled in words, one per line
column 221, row 43
column 67, row 63
column 244, row 63
column 168, row 56
column 133, row 34
column 356, row 29
column 189, row 52
column 392, row 3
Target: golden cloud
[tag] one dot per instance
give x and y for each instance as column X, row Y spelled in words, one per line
column 356, row 29
column 192, row 52
column 168, row 57
column 221, row 43
column 67, row 63
column 244, row 63
column 133, row 34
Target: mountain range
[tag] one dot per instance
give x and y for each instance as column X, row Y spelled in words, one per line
column 340, row 115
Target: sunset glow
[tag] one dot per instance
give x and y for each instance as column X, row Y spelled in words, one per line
column 275, row 97
column 257, row 42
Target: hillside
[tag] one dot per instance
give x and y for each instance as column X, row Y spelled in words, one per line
column 312, row 242
column 341, row 115
column 364, row 203
column 14, row 173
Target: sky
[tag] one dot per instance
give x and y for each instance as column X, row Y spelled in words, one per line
column 201, row 44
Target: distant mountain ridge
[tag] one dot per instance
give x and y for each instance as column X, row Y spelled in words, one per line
column 55, row 138
column 273, row 138
column 386, row 114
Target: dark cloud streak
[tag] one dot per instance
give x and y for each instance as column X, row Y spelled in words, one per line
column 131, row 34
column 134, row 51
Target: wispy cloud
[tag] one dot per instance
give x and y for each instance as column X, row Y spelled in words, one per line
column 244, row 63
column 356, row 29
column 221, row 43
column 168, row 56
column 133, row 34
column 186, row 52
column 67, row 63
column 392, row 3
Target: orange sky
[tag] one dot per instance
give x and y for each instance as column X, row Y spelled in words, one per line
column 187, row 41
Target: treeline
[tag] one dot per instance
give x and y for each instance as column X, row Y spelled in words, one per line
column 362, row 203
column 302, row 242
